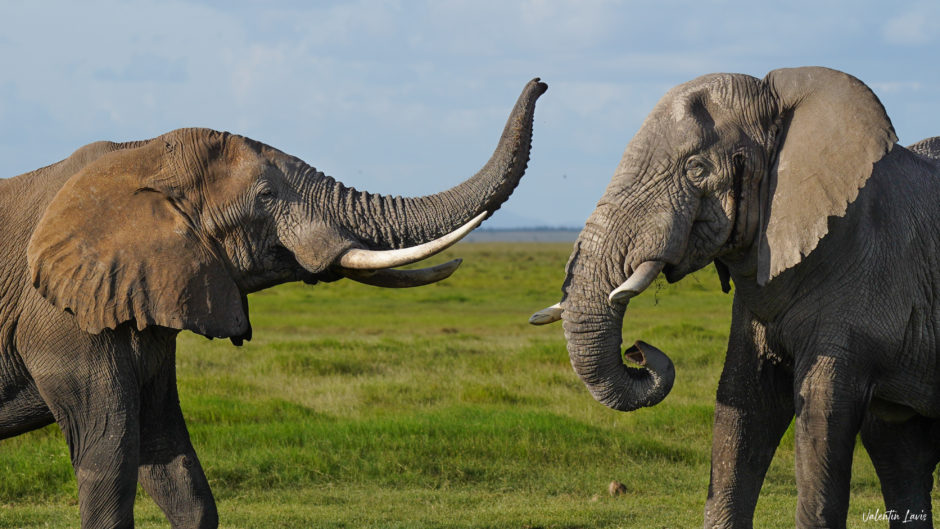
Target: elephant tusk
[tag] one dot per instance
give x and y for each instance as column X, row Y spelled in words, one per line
column 390, row 278
column 359, row 259
column 547, row 315
column 639, row 280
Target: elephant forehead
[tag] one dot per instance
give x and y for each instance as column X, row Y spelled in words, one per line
column 231, row 177
column 675, row 123
column 665, row 137
column 692, row 113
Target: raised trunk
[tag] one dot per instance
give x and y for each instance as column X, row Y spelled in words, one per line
column 383, row 222
column 593, row 326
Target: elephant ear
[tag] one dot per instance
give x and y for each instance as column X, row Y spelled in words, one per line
column 115, row 245
column 832, row 129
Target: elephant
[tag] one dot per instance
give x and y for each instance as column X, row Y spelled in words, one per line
column 108, row 254
column 929, row 147
column 795, row 188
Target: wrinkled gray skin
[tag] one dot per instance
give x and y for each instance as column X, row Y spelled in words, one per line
column 140, row 240
column 795, row 187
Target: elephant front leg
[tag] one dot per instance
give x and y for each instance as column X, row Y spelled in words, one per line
column 99, row 419
column 830, row 405
column 904, row 455
column 753, row 409
column 169, row 469
column 105, row 466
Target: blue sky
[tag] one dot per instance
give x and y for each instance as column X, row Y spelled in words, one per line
column 409, row 97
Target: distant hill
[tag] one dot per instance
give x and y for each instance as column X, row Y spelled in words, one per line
column 523, row 235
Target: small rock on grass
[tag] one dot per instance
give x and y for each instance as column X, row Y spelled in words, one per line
column 616, row 488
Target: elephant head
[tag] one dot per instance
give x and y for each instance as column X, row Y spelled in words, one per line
column 175, row 231
column 727, row 168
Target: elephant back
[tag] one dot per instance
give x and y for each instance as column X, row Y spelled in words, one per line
column 23, row 201
column 929, row 147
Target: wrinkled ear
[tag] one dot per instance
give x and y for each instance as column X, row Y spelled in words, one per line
column 114, row 245
column 832, row 129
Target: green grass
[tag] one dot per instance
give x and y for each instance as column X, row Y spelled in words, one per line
column 438, row 407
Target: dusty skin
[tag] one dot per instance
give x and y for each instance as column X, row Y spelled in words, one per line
column 794, row 186
column 109, row 253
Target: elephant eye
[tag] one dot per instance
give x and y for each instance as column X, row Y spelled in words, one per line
column 696, row 168
column 266, row 194
column 739, row 162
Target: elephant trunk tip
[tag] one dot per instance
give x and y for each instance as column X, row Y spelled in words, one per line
column 659, row 373
column 631, row 388
column 635, row 355
column 540, row 87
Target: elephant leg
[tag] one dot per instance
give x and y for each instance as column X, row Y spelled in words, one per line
column 754, row 408
column 830, row 405
column 904, row 455
column 96, row 406
column 24, row 411
column 169, row 469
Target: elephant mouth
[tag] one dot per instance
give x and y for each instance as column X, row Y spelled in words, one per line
column 676, row 272
column 673, row 274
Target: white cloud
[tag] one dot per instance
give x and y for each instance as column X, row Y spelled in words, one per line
column 888, row 87
column 917, row 26
column 393, row 95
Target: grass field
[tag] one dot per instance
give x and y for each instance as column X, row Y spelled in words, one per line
column 359, row 407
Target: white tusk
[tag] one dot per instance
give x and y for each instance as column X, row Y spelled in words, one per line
column 391, row 278
column 359, row 259
column 547, row 315
column 638, row 281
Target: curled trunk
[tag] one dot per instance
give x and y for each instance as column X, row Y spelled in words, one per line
column 593, row 327
column 384, row 222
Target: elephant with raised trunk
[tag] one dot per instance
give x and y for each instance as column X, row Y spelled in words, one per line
column 794, row 186
column 108, row 254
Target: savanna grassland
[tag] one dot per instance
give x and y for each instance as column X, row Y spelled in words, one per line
column 360, row 407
